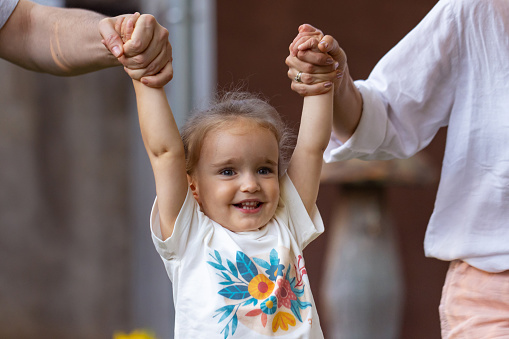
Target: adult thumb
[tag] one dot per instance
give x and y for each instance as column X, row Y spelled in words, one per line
column 111, row 39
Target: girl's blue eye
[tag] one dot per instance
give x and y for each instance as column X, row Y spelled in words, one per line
column 227, row 172
column 264, row 171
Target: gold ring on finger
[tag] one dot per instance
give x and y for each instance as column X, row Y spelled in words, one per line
column 298, row 77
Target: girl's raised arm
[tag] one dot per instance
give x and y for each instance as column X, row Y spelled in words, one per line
column 314, row 134
column 162, row 142
column 165, row 151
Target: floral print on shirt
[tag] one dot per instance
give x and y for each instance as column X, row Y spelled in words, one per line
column 265, row 295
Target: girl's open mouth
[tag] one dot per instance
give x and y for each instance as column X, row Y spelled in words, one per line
column 248, row 205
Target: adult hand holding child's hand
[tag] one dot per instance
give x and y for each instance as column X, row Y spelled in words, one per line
column 146, row 55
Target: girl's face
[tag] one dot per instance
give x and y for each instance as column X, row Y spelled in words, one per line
column 236, row 178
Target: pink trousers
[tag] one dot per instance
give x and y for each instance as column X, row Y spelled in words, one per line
column 475, row 304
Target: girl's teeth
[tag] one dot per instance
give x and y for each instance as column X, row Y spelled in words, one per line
column 251, row 205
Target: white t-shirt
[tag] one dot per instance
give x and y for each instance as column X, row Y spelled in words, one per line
column 451, row 70
column 6, row 9
column 241, row 285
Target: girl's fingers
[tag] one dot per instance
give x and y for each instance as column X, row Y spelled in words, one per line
column 316, row 63
column 118, row 24
column 123, row 29
column 309, row 44
column 129, row 27
column 301, row 38
column 308, row 28
column 161, row 78
column 315, row 89
column 311, row 79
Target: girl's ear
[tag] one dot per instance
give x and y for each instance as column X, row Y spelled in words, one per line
column 194, row 188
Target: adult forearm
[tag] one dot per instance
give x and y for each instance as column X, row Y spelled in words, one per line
column 73, row 45
column 54, row 40
column 347, row 108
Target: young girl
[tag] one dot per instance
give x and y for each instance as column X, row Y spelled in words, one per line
column 229, row 221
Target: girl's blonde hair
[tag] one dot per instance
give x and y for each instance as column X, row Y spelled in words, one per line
column 227, row 109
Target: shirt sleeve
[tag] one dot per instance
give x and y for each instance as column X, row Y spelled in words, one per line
column 174, row 246
column 409, row 95
column 6, row 9
column 304, row 227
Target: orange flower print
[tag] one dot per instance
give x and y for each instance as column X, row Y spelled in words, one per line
column 260, row 287
column 282, row 320
column 284, row 294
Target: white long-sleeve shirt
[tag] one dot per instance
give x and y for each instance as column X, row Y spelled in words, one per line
column 450, row 70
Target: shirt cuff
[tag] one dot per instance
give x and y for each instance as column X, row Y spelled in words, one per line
column 370, row 132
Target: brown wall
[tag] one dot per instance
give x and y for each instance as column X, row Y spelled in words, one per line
column 253, row 39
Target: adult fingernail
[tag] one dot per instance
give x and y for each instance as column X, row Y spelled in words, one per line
column 324, row 43
column 116, row 51
column 336, row 65
column 339, row 75
column 329, row 61
column 327, row 84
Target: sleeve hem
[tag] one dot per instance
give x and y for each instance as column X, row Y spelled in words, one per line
column 370, row 133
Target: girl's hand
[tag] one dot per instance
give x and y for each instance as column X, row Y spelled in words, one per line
column 319, row 58
column 125, row 26
column 146, row 51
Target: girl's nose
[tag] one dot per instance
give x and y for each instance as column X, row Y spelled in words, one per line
column 249, row 183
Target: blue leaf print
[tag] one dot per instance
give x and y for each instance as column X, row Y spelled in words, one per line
column 297, row 305
column 227, row 311
column 303, row 304
column 251, row 301
column 218, row 256
column 235, row 292
column 232, row 267
column 298, row 292
column 262, row 263
column 226, row 283
column 226, row 331
column 274, row 258
column 216, row 266
column 226, row 276
column 235, row 321
column 296, row 310
column 246, row 267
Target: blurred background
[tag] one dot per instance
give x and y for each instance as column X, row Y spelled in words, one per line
column 76, row 188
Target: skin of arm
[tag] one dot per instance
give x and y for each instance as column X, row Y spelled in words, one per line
column 162, row 140
column 66, row 42
column 165, row 151
column 53, row 40
column 314, row 134
column 317, row 66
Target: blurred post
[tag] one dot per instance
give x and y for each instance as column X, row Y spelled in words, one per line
column 362, row 289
